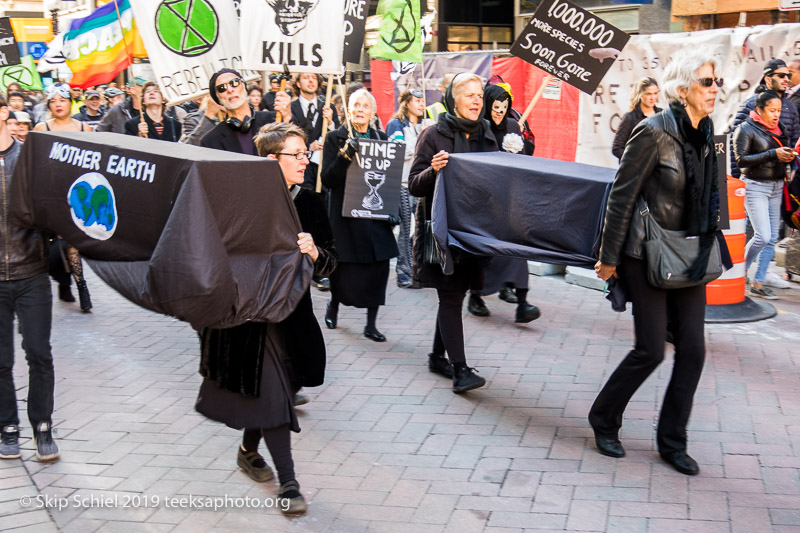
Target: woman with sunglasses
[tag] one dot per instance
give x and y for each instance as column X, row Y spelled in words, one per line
column 763, row 154
column 405, row 126
column 365, row 246
column 59, row 103
column 670, row 163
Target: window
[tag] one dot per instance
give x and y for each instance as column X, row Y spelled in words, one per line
column 461, row 38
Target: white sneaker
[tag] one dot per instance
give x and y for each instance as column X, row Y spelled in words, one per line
column 775, row 281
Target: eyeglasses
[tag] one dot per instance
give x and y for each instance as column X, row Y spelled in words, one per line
column 222, row 87
column 416, row 93
column 782, row 75
column 708, row 82
column 299, row 155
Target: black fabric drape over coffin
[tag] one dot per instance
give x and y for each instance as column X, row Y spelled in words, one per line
column 517, row 206
column 212, row 240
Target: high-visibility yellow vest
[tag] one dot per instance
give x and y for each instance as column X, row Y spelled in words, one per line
column 434, row 110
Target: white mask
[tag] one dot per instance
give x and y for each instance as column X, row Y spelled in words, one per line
column 500, row 107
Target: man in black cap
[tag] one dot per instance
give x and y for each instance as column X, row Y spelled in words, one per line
column 268, row 100
column 92, row 110
column 776, row 78
column 235, row 134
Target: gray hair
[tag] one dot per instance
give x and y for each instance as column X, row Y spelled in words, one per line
column 461, row 79
column 682, row 71
column 359, row 94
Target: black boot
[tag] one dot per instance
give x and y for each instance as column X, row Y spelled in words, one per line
column 331, row 316
column 526, row 313
column 83, row 296
column 476, row 306
column 65, row 293
column 465, row 378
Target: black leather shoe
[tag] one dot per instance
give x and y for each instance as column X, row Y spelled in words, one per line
column 65, row 293
column 465, row 379
column 374, row 334
column 439, row 364
column 681, row 462
column 477, row 307
column 610, row 446
column 527, row 313
column 507, row 294
column 330, row 318
column 323, row 284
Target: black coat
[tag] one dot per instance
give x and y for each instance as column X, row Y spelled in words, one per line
column 313, row 131
column 629, row 121
column 223, row 137
column 172, row 128
column 756, row 151
column 790, row 123
column 422, row 183
column 652, row 166
column 357, row 240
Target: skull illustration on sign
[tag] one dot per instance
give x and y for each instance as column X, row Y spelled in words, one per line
column 291, row 15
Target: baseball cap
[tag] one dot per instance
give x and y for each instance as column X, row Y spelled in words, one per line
column 773, row 65
column 91, row 94
column 22, row 116
column 111, row 92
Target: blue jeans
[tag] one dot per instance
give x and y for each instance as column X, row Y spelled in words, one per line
column 408, row 205
column 32, row 301
column 763, row 206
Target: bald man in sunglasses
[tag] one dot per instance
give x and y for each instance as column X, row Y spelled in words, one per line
column 777, row 77
column 235, row 134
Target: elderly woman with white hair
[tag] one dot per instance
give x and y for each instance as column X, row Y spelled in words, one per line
column 460, row 129
column 365, row 246
column 670, row 163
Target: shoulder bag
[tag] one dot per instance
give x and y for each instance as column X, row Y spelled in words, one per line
column 429, row 250
column 670, row 254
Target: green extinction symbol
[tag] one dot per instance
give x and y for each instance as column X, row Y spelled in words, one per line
column 187, row 27
column 19, row 75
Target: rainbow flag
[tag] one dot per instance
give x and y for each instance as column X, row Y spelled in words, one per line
column 98, row 47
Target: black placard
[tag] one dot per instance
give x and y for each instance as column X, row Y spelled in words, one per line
column 372, row 189
column 721, row 144
column 355, row 22
column 9, row 52
column 570, row 43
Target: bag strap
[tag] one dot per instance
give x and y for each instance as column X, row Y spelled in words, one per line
column 641, row 205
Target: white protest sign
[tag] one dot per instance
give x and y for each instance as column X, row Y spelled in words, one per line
column 742, row 53
column 306, row 36
column 187, row 42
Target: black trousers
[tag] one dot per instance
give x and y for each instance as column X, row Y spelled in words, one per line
column 32, row 301
column 651, row 306
column 449, row 334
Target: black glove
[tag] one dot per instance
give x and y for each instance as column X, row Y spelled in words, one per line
column 394, row 220
column 350, row 148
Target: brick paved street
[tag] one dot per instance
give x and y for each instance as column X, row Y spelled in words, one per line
column 386, row 446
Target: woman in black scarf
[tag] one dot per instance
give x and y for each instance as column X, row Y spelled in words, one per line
column 670, row 162
column 505, row 274
column 461, row 129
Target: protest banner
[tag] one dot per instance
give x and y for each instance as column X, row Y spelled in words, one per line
column 140, row 210
column 355, row 23
column 400, row 35
column 24, row 74
column 188, row 42
column 372, row 186
column 722, row 145
column 305, row 36
column 9, row 52
column 570, row 43
column 98, row 47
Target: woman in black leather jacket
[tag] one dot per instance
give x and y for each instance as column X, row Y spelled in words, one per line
column 761, row 149
column 669, row 161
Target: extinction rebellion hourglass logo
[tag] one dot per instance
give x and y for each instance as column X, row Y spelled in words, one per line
column 187, row 27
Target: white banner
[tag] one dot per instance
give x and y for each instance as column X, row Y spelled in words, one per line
column 742, row 53
column 306, row 36
column 187, row 42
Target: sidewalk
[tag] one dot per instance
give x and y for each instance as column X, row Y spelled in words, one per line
column 386, row 446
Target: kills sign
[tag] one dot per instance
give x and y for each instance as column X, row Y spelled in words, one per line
column 306, row 36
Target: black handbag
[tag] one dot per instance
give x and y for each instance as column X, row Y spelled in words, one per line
column 670, row 254
column 429, row 250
